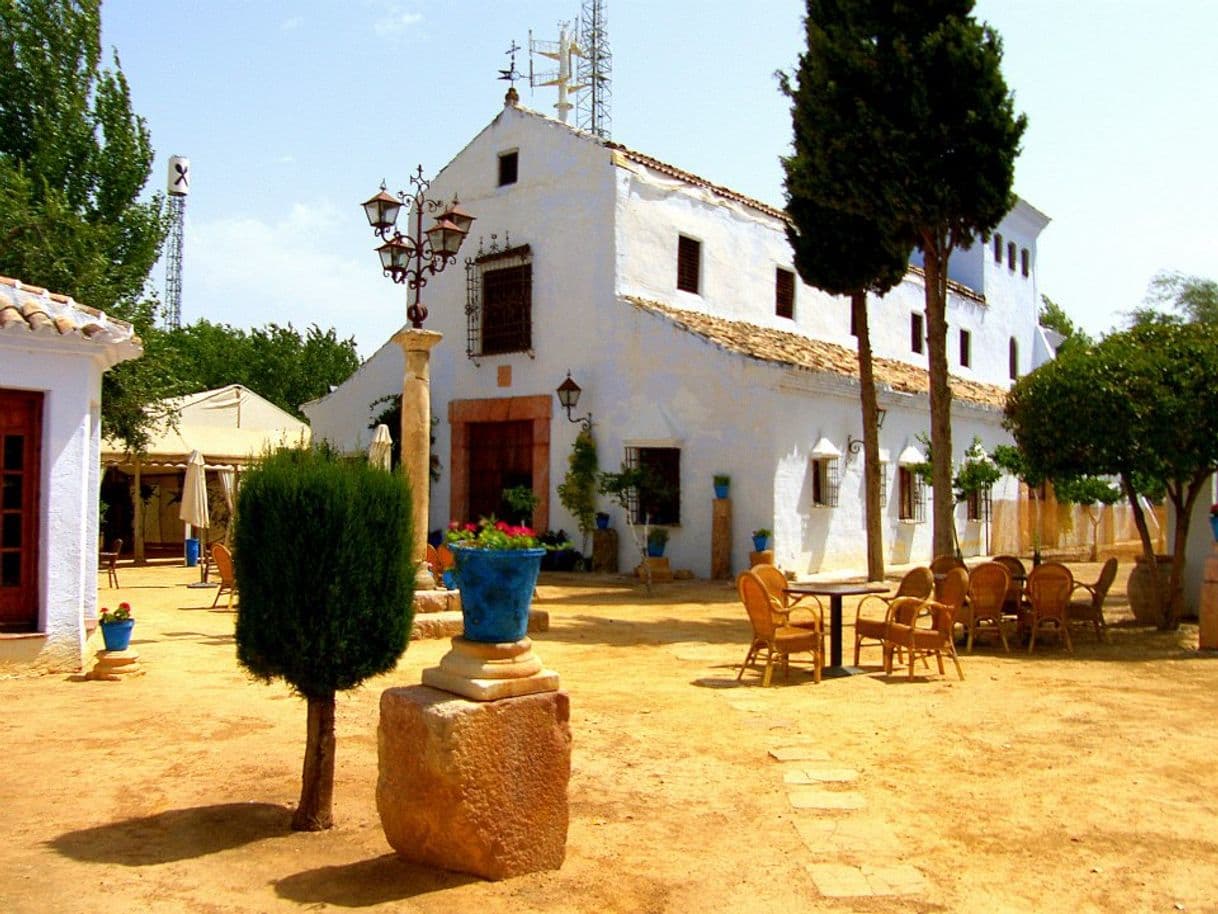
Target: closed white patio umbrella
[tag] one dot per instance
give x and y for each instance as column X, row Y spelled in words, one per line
column 194, row 495
column 379, row 451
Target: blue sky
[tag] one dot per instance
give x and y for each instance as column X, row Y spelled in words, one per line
column 293, row 113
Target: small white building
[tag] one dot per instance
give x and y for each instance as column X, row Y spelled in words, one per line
column 674, row 304
column 53, row 352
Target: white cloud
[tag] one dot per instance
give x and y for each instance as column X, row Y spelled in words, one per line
column 395, row 21
column 291, row 24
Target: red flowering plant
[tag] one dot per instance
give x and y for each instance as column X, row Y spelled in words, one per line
column 122, row 614
column 491, row 534
column 1214, row 510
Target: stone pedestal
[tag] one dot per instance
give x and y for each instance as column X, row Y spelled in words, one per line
column 477, row 787
column 661, row 572
column 486, row 672
column 1207, row 634
column 114, row 666
column 604, row 550
column 764, row 557
column 721, row 539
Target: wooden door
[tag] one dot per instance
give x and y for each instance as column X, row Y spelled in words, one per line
column 500, row 457
column 20, row 462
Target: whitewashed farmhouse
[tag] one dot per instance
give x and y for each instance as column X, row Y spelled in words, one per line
column 674, row 304
column 53, row 352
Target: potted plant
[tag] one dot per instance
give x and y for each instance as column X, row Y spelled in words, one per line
column 1214, row 521
column 761, row 536
column 602, row 520
column 496, row 571
column 116, row 627
column 561, row 554
column 522, row 501
column 657, row 539
column 722, row 485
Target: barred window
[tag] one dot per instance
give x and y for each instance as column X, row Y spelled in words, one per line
column 978, row 504
column 657, row 500
column 912, row 495
column 825, row 482
column 499, row 302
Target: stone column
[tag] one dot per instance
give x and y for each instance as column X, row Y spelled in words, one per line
column 416, row 438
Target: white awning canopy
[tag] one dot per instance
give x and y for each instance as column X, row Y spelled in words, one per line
column 911, row 456
column 824, row 448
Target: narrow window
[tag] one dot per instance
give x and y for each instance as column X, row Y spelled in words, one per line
column 854, row 321
column 978, row 503
column 658, row 498
column 912, row 495
column 784, row 293
column 1011, row 255
column 1025, row 260
column 1013, row 358
column 965, row 341
column 825, row 484
column 997, row 249
column 916, row 332
column 689, row 262
column 507, row 168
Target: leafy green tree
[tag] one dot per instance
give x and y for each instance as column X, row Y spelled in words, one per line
column 841, row 143
column 577, row 491
column 1140, row 406
column 74, row 160
column 322, row 560
column 954, row 140
column 276, row 362
column 1192, row 296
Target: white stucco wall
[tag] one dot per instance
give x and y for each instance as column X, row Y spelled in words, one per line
column 69, row 375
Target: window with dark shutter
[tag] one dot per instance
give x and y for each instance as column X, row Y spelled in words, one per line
column 912, row 495
column 1011, row 255
column 1013, row 358
column 916, row 332
column 965, row 345
column 784, row 293
column 997, row 249
column 1026, row 261
column 689, row 262
column 658, row 497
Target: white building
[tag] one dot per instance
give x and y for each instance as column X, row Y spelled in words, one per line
column 674, row 304
column 53, row 352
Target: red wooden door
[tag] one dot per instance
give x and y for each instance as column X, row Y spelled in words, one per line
column 20, row 461
column 500, row 457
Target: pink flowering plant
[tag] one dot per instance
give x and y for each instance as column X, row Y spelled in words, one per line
column 122, row 614
column 492, row 534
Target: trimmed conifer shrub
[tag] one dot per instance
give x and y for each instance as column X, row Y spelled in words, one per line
column 322, row 561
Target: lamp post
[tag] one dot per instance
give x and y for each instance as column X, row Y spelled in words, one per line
column 411, row 259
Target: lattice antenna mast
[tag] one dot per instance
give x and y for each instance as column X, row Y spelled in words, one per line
column 562, row 51
column 594, row 70
column 178, row 185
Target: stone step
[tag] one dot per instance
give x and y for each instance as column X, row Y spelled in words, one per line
column 448, row 623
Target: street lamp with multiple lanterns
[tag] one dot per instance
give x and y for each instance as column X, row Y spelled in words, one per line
column 411, row 258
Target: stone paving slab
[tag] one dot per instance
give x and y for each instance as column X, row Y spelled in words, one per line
column 826, row 799
column 820, row 776
column 799, row 754
column 840, row 880
column 864, row 835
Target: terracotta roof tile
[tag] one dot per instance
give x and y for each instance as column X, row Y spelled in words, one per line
column 786, row 348
column 32, row 309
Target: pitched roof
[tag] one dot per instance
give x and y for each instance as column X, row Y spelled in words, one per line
column 782, row 347
column 32, row 309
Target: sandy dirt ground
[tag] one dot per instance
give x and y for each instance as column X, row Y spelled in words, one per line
column 1040, row 783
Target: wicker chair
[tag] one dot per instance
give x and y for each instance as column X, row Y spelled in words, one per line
column 1092, row 609
column 773, row 637
column 1014, row 603
column 224, row 568
column 988, row 586
column 918, row 582
column 905, row 634
column 1049, row 587
column 775, row 581
column 109, row 560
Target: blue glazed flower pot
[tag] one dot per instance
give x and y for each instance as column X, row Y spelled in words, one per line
column 759, row 543
column 1214, row 526
column 721, row 491
column 496, row 590
column 117, row 635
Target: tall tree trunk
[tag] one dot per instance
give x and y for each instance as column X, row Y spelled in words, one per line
column 871, row 441
column 1184, row 502
column 934, row 261
column 1148, row 547
column 315, row 810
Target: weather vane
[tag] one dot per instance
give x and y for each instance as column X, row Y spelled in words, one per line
column 511, row 74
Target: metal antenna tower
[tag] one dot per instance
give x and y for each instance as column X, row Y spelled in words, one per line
column 593, row 71
column 179, row 188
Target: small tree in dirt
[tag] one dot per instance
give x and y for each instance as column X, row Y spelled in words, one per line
column 322, row 559
column 623, row 487
column 577, row 491
column 1090, row 493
